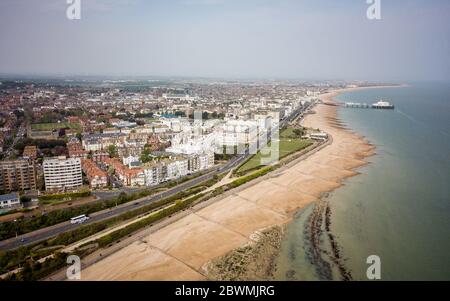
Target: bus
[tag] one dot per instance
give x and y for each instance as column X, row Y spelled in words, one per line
column 79, row 219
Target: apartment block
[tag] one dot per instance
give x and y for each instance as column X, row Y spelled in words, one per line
column 17, row 175
column 62, row 174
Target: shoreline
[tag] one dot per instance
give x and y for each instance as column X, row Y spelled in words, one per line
column 258, row 260
column 183, row 250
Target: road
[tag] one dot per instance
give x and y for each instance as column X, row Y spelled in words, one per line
column 46, row 233
column 19, row 135
column 49, row 232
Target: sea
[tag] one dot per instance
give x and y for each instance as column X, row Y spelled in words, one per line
column 398, row 209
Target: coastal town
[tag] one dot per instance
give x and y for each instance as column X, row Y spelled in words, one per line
column 211, row 149
column 64, row 137
column 85, row 157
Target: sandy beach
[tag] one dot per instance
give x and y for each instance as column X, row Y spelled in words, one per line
column 183, row 249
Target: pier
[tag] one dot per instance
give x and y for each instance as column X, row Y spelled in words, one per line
column 357, row 105
column 378, row 105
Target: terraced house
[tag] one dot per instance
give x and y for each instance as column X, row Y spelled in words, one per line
column 97, row 177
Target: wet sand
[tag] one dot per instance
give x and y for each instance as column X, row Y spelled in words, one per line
column 183, row 249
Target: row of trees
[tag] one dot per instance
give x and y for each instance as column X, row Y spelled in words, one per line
column 40, row 143
column 57, row 115
column 207, row 115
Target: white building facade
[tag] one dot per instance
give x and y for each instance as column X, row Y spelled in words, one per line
column 62, row 174
column 9, row 201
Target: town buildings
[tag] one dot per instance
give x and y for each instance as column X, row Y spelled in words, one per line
column 97, row 177
column 30, row 152
column 75, row 148
column 101, row 141
column 139, row 138
column 128, row 176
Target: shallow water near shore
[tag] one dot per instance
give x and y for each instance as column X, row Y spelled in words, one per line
column 294, row 250
column 399, row 207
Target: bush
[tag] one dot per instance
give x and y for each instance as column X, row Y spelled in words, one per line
column 74, row 195
column 25, row 199
column 33, row 271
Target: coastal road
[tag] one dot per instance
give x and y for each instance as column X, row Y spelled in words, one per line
column 49, row 232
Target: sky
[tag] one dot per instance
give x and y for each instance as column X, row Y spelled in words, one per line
column 298, row 39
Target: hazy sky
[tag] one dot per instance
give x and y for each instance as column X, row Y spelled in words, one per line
column 317, row 39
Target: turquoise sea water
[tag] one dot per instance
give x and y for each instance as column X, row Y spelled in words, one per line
column 399, row 208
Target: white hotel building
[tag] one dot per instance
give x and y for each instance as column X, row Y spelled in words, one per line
column 245, row 132
column 62, row 174
column 198, row 150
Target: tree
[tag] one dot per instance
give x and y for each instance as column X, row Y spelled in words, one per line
column 112, row 151
column 299, row 132
column 59, row 150
column 146, row 155
column 123, row 197
column 25, row 199
column 27, row 272
column 62, row 132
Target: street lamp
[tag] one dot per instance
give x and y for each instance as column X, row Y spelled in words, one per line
column 15, row 228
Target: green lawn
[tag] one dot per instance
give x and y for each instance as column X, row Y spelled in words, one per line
column 254, row 162
column 151, row 119
column 287, row 146
column 54, row 126
column 287, row 133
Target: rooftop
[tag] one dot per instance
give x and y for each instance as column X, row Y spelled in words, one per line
column 10, row 196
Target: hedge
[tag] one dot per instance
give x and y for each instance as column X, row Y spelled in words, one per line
column 74, row 195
